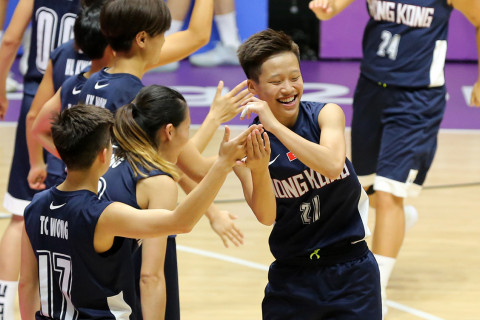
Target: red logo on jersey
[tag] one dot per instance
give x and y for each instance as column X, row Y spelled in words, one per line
column 291, row 156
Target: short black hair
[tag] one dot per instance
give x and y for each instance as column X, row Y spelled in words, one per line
column 122, row 20
column 88, row 35
column 80, row 133
column 261, row 46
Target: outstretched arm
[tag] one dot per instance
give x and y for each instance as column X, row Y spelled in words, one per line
column 223, row 108
column 181, row 44
column 116, row 220
column 327, row 9
column 471, row 10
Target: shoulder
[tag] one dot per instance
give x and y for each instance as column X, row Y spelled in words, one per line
column 331, row 114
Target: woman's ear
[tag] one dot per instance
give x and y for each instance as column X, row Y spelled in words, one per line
column 167, row 132
column 141, row 39
column 251, row 85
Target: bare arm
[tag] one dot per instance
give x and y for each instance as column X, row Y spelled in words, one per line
column 255, row 178
column 181, row 44
column 152, row 276
column 192, row 163
column 41, row 127
column 10, row 43
column 471, row 10
column 116, row 220
column 223, row 108
column 29, row 298
column 327, row 9
column 328, row 155
column 38, row 171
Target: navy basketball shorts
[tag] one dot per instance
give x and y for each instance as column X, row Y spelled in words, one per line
column 347, row 291
column 394, row 135
column 172, row 311
column 19, row 194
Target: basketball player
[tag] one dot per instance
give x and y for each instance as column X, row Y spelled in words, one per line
column 67, row 60
column 76, row 246
column 398, row 106
column 323, row 268
column 51, row 26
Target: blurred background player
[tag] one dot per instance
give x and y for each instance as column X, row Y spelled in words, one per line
column 225, row 19
column 398, row 106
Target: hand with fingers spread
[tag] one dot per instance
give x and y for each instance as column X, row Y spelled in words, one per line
column 225, row 107
column 222, row 222
column 232, row 151
column 258, row 151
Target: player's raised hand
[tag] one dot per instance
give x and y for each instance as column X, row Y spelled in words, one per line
column 475, row 99
column 321, row 8
column 258, row 151
column 225, row 107
column 232, row 151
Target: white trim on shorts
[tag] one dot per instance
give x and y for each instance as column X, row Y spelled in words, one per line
column 399, row 189
column 13, row 205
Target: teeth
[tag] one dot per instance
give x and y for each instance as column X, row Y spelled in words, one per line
column 287, row 100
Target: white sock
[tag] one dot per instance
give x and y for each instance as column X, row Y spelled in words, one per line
column 174, row 27
column 8, row 293
column 227, row 28
column 385, row 265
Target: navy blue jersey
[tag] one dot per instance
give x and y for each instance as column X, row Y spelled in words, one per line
column 312, row 210
column 119, row 183
column 405, row 42
column 110, row 90
column 67, row 62
column 75, row 281
column 52, row 25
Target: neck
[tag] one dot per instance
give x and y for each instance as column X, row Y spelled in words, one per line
column 124, row 63
column 80, row 180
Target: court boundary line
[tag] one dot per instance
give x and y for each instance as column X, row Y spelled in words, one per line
column 259, row 266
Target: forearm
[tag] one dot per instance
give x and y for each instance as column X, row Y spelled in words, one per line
column 206, row 131
column 192, row 163
column 201, row 20
column 327, row 162
column 35, row 150
column 262, row 200
column 153, row 297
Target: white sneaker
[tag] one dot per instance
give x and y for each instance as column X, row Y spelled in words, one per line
column 220, row 55
column 411, row 217
column 167, row 67
column 23, row 63
column 12, row 85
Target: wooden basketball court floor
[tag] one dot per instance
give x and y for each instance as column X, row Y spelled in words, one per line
column 436, row 277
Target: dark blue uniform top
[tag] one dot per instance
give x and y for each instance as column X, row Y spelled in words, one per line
column 110, row 90
column 66, row 62
column 312, row 211
column 75, row 281
column 120, row 184
column 405, row 42
column 52, row 25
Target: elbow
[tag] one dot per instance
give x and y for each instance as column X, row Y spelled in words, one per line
column 267, row 219
column 334, row 171
column 11, row 42
column 186, row 228
column 148, row 279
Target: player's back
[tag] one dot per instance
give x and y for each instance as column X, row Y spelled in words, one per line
column 76, row 282
column 110, row 90
column 52, row 25
column 67, row 62
column 405, row 42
